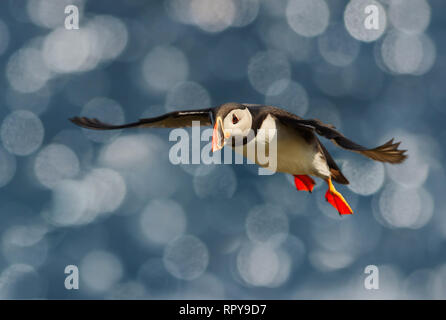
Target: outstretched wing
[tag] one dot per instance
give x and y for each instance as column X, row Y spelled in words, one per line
column 387, row 152
column 175, row 119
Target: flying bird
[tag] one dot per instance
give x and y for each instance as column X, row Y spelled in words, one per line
column 299, row 151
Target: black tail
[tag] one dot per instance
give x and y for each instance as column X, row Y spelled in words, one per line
column 335, row 172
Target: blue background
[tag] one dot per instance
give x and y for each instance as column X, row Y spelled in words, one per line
column 137, row 226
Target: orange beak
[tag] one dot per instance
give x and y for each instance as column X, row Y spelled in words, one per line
column 218, row 136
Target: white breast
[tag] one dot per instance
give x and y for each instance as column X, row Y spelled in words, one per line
column 294, row 154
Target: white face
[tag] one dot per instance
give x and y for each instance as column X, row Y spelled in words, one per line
column 238, row 122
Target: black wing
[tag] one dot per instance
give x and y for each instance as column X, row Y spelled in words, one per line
column 175, row 119
column 387, row 152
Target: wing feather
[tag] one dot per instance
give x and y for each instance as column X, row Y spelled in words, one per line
column 177, row 119
column 387, row 152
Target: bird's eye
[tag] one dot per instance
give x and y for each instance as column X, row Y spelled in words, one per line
column 234, row 119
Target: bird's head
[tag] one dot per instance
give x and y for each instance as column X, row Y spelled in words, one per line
column 232, row 120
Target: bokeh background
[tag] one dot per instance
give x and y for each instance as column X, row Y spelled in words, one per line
column 140, row 227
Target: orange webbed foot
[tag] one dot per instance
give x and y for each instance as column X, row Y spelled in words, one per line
column 337, row 200
column 304, row 183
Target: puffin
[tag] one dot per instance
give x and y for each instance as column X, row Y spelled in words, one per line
column 299, row 150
